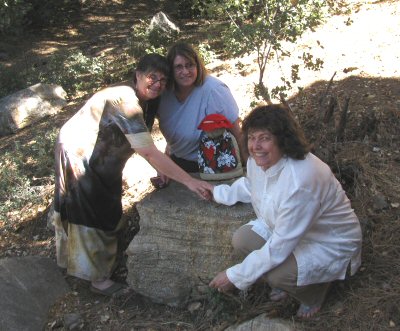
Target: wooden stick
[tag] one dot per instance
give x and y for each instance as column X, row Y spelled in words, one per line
column 322, row 98
column 330, row 109
column 343, row 121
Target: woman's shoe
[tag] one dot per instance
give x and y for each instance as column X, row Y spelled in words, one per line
column 115, row 290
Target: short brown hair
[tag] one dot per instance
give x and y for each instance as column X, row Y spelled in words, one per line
column 186, row 50
column 280, row 121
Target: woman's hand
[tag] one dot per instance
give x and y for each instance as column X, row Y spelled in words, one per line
column 163, row 164
column 160, row 181
column 203, row 189
column 163, row 180
column 222, row 283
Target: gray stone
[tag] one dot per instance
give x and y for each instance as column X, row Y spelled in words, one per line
column 73, row 321
column 379, row 202
column 182, row 244
column 263, row 323
column 27, row 106
column 160, row 21
column 29, row 286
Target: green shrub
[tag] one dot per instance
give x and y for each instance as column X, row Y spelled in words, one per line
column 24, row 171
column 206, row 53
column 73, row 70
column 144, row 41
column 263, row 27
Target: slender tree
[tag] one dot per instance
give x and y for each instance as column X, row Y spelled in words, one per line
column 262, row 26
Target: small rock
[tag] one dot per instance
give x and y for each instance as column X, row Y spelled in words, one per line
column 192, row 307
column 55, row 324
column 261, row 323
column 379, row 202
column 73, row 321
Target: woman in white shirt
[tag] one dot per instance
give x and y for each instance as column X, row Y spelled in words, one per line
column 306, row 234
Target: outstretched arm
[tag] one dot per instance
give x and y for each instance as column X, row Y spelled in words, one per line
column 164, row 164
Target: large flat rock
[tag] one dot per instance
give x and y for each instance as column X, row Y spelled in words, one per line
column 29, row 105
column 29, row 286
column 263, row 323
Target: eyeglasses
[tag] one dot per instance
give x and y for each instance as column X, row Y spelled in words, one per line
column 154, row 79
column 187, row 66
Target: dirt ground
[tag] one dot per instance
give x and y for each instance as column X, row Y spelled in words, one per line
column 359, row 139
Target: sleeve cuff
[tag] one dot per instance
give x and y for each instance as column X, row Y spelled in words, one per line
column 140, row 140
column 234, row 279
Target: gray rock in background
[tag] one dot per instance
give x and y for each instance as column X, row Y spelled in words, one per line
column 160, row 21
column 27, row 106
column 182, row 244
column 29, row 286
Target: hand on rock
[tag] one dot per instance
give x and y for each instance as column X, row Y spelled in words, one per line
column 222, row 283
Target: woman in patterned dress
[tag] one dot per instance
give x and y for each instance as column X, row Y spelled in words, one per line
column 91, row 152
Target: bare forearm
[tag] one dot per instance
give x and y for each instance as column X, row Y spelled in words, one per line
column 164, row 165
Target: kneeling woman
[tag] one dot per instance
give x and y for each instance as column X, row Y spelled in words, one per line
column 306, row 234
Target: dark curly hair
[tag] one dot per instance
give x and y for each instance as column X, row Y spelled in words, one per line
column 152, row 62
column 280, row 121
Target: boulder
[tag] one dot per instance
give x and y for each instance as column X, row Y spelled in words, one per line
column 27, row 106
column 160, row 21
column 29, row 286
column 182, row 244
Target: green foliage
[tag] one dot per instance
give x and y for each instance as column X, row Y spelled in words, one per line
column 263, row 27
column 187, row 8
column 339, row 7
column 206, row 53
column 73, row 70
column 144, row 40
column 24, row 171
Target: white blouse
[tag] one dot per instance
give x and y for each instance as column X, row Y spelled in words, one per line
column 302, row 209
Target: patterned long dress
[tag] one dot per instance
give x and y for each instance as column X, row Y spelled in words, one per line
column 91, row 152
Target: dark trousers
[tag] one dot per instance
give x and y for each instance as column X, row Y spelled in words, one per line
column 188, row 166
